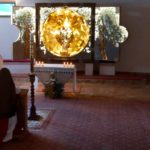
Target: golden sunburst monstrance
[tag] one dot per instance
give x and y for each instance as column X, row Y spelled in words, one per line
column 65, row 33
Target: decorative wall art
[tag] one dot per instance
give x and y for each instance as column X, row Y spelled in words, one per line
column 71, row 31
column 24, row 19
column 65, row 31
column 108, row 33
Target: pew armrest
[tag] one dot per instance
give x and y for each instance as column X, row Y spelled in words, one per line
column 22, row 97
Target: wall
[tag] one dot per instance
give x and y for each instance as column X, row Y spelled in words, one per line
column 7, row 1
column 135, row 52
column 9, row 34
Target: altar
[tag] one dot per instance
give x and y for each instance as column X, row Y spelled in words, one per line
column 63, row 73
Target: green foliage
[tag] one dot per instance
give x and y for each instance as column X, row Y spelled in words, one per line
column 54, row 89
column 109, row 26
column 24, row 17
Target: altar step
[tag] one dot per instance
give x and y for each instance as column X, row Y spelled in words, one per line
column 119, row 79
column 131, row 78
column 121, row 86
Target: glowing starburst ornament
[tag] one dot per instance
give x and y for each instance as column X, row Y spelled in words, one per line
column 65, row 33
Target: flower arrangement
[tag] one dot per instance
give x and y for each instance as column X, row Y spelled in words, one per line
column 109, row 26
column 25, row 18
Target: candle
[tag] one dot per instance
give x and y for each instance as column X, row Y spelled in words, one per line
column 42, row 63
column 71, row 65
column 64, row 64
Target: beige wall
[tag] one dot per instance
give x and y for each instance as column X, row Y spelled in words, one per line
column 135, row 52
column 8, row 35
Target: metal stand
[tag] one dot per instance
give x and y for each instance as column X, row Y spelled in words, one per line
column 33, row 115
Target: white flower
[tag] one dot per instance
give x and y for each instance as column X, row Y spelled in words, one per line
column 25, row 17
column 44, row 12
column 124, row 34
column 109, row 12
column 84, row 11
column 43, row 49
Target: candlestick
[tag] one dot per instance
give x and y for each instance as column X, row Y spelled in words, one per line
column 33, row 115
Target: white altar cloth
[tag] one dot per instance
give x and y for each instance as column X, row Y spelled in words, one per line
column 62, row 73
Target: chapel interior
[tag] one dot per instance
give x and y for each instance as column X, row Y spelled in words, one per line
column 74, row 75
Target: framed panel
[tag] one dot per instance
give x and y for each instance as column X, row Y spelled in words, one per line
column 107, row 20
column 6, row 9
column 43, row 10
column 22, row 18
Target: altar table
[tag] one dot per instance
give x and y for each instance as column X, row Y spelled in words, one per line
column 62, row 73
